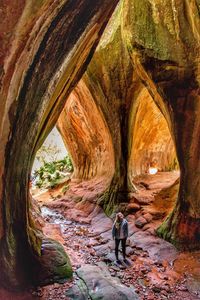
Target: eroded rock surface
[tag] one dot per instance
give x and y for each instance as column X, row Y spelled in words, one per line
column 149, row 52
column 101, row 285
column 50, row 44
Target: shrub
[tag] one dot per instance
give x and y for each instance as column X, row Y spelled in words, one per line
column 50, row 173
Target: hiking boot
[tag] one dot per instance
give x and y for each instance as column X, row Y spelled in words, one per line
column 118, row 262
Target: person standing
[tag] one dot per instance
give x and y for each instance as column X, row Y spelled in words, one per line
column 120, row 234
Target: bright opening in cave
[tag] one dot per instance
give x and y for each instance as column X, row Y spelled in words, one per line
column 153, row 171
column 52, row 166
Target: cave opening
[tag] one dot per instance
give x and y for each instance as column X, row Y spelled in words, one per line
column 52, row 165
column 153, row 164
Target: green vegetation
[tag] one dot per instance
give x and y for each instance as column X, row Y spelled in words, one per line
column 51, row 174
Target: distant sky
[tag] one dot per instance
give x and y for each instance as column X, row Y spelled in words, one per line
column 53, row 139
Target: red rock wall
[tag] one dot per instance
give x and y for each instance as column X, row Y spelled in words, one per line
column 152, row 144
column 86, row 135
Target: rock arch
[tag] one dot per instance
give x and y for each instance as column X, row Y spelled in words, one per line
column 34, row 91
column 149, row 44
column 165, row 53
column 152, row 143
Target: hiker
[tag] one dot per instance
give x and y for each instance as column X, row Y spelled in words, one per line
column 120, row 234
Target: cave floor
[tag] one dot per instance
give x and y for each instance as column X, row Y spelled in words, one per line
column 157, row 271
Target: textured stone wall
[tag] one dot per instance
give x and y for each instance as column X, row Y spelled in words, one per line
column 153, row 45
column 152, row 144
column 45, row 50
column 46, row 47
column 86, row 136
column 163, row 41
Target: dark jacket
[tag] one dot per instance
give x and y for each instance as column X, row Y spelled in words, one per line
column 124, row 228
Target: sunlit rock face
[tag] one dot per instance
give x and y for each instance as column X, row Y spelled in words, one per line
column 86, row 136
column 45, row 49
column 163, row 41
column 152, row 144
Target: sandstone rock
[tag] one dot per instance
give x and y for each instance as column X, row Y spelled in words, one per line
column 148, row 217
column 110, row 257
column 129, row 251
column 132, row 228
column 44, row 69
column 132, row 207
column 146, row 43
column 54, row 262
column 101, row 224
column 101, row 285
column 158, row 249
column 104, row 249
column 106, row 236
column 140, row 222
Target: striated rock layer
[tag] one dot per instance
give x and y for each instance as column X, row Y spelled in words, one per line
column 129, row 113
column 149, row 48
column 163, row 41
column 86, row 135
column 45, row 50
column 148, row 57
column 152, row 144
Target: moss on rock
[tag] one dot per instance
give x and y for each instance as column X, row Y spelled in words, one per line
column 53, row 265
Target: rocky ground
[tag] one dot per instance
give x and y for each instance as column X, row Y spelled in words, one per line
column 157, row 270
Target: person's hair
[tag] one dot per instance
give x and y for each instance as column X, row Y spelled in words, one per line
column 116, row 222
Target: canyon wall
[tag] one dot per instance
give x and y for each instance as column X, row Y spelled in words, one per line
column 45, row 49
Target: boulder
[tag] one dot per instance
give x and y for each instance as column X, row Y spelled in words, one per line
column 101, row 285
column 53, row 263
column 140, row 222
column 148, row 217
column 132, row 207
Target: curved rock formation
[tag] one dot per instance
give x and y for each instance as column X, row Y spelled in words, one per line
column 109, row 77
column 164, row 44
column 152, row 144
column 153, row 45
column 45, row 52
column 46, row 47
column 86, row 136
